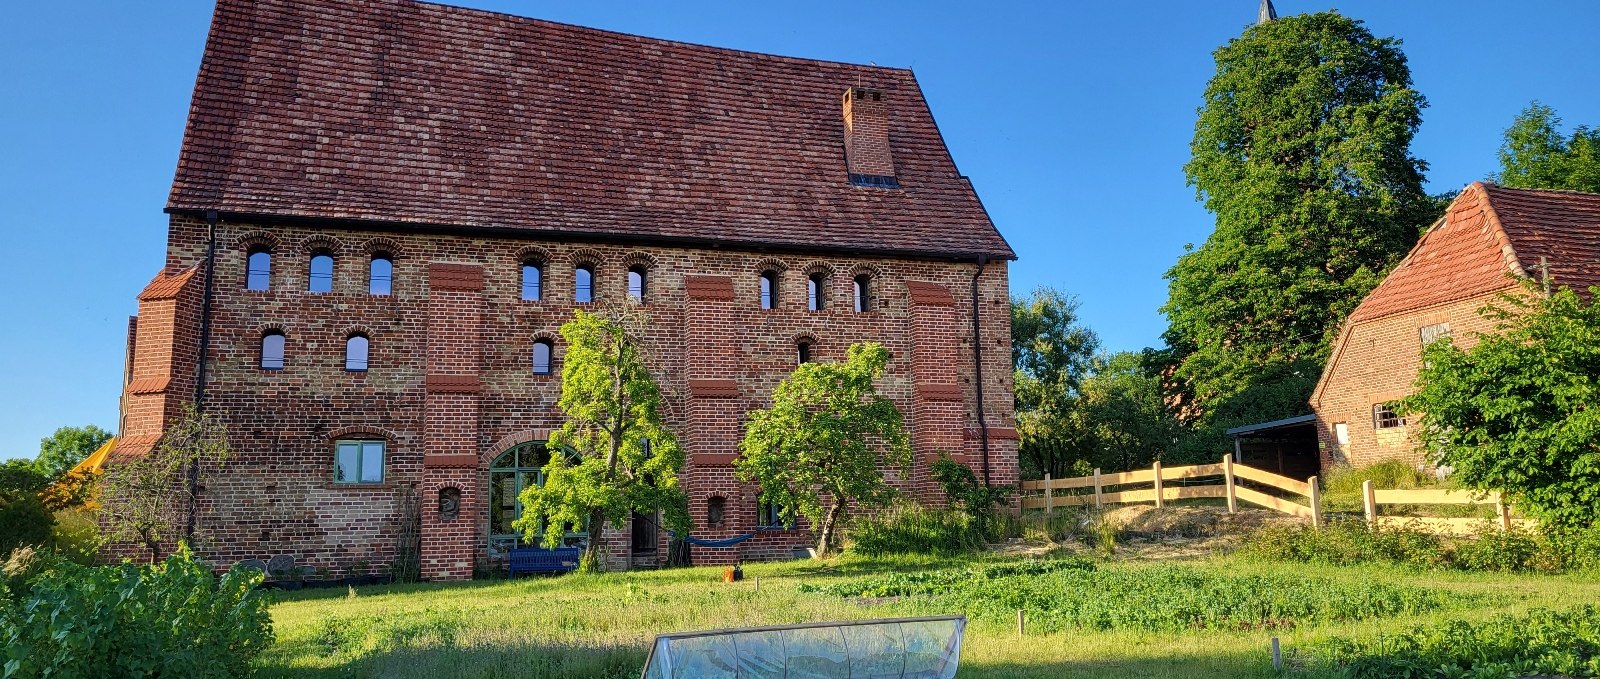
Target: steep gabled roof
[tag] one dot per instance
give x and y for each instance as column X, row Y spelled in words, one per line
column 397, row 111
column 1488, row 236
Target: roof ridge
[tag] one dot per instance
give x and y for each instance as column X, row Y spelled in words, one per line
column 1508, row 252
column 1502, row 187
column 666, row 41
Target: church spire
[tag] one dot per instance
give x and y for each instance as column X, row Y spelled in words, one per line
column 1267, row 13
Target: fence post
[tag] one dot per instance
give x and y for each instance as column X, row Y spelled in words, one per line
column 1160, row 501
column 1369, row 502
column 1227, row 479
column 1096, row 487
column 1049, row 496
column 1504, row 513
column 1316, row 502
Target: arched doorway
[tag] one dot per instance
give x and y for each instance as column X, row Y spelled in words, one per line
column 520, row 466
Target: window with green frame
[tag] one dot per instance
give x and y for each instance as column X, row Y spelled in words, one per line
column 521, row 466
column 358, row 462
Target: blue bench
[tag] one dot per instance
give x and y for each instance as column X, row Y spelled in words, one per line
column 535, row 560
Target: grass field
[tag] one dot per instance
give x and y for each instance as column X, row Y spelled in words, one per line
column 599, row 626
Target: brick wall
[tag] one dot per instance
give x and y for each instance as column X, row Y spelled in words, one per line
column 450, row 385
column 1376, row 361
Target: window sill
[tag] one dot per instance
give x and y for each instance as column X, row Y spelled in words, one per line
column 381, row 485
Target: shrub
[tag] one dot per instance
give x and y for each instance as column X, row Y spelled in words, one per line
column 962, row 490
column 174, row 619
column 1541, row 643
column 1344, row 543
column 76, row 536
column 909, row 528
column 24, row 522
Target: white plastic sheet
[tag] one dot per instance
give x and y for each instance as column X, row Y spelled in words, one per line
column 899, row 648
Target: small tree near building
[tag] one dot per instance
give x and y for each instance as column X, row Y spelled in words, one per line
column 820, row 446
column 613, row 456
column 1516, row 413
column 67, row 447
column 151, row 500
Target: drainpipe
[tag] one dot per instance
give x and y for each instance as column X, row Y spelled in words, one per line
column 977, row 368
column 200, row 369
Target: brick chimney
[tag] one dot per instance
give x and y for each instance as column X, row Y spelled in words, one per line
column 866, row 138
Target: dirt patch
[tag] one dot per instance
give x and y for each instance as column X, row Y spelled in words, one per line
column 1145, row 521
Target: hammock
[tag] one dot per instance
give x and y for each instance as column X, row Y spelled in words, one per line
column 724, row 542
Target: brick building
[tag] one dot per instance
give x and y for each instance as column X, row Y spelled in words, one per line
column 1489, row 239
column 384, row 210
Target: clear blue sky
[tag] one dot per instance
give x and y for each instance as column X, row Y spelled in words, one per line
column 1073, row 120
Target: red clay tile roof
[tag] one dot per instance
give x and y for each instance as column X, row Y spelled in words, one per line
column 1487, row 233
column 409, row 112
column 167, row 287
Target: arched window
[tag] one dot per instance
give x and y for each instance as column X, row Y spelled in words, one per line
column 716, row 511
column 543, row 351
column 816, row 291
column 769, row 290
column 583, row 285
column 272, row 350
column 803, row 351
column 381, row 280
column 863, row 287
column 355, row 353
column 518, row 468
column 258, row 270
column 321, row 279
column 636, row 283
column 532, row 281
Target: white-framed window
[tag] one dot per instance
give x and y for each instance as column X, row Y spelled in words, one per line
column 1384, row 416
column 358, row 462
column 770, row 515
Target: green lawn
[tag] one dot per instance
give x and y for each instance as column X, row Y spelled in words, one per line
column 599, row 626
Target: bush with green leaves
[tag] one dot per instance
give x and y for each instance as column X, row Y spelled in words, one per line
column 1542, row 643
column 909, row 528
column 1515, row 413
column 172, row 619
column 1351, row 543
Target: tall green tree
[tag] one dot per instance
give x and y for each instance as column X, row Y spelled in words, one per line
column 614, row 455
column 1515, row 413
column 1052, row 351
column 67, row 447
column 1535, row 155
column 1124, row 414
column 822, row 445
column 1302, row 152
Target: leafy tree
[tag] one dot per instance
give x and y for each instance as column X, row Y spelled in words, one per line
column 1301, row 150
column 1515, row 413
column 623, row 458
column 1536, row 156
column 21, row 477
column 1052, row 352
column 1124, row 414
column 150, row 499
column 820, row 446
column 962, row 488
column 67, row 447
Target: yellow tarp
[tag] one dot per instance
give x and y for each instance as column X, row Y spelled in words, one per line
column 96, row 461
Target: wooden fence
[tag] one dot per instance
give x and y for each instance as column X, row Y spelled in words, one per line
column 1372, row 499
column 1224, row 483
column 1223, row 480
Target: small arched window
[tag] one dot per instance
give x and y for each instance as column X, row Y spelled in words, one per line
column 803, row 351
column 543, row 350
column 636, row 283
column 272, row 350
column 816, row 291
column 769, row 290
column 381, row 280
column 716, row 508
column 532, row 281
column 863, row 288
column 583, row 285
column 355, row 353
column 321, row 278
column 258, row 270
